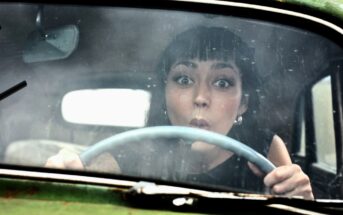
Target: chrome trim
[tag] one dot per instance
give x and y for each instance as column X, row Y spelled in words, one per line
column 270, row 9
column 65, row 177
column 294, row 209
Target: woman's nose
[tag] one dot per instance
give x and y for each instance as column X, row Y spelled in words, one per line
column 202, row 96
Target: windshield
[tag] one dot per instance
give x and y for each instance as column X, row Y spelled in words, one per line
column 92, row 73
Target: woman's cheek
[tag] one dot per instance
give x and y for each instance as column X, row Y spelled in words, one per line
column 226, row 114
column 184, row 99
column 176, row 107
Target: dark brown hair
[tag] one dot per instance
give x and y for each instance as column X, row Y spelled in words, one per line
column 208, row 43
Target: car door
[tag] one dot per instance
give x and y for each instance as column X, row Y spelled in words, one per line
column 319, row 132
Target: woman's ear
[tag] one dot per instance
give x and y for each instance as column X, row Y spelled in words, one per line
column 244, row 104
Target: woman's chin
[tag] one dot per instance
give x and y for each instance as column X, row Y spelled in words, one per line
column 199, row 146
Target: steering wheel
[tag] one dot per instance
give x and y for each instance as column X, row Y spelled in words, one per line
column 179, row 132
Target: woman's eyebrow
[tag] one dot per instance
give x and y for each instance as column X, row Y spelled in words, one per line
column 222, row 65
column 186, row 63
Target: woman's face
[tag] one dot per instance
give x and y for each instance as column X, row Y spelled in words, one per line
column 204, row 94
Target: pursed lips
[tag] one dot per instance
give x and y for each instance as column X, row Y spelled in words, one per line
column 200, row 123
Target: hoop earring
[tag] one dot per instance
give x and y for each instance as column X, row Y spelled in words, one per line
column 238, row 121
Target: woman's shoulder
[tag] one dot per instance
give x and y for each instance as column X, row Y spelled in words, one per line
column 258, row 138
column 263, row 141
column 266, row 135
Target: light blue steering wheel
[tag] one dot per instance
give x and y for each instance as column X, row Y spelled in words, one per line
column 179, row 132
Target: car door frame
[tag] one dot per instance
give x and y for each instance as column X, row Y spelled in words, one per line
column 321, row 178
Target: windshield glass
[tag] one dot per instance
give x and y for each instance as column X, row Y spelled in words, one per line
column 92, row 73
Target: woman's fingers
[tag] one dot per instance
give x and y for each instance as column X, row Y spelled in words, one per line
column 55, row 162
column 289, row 180
column 280, row 174
column 65, row 159
column 104, row 163
column 304, row 191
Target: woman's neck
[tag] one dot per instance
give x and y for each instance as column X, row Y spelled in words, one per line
column 215, row 160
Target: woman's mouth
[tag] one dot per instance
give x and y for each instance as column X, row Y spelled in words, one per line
column 199, row 123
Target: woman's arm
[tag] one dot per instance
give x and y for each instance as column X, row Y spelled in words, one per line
column 278, row 153
column 287, row 179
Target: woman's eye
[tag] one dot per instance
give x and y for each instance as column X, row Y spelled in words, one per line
column 184, row 80
column 222, row 83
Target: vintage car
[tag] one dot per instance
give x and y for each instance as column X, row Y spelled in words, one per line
column 91, row 84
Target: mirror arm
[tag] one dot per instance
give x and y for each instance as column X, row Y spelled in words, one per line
column 39, row 20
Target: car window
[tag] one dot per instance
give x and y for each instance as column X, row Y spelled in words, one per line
column 93, row 74
column 323, row 123
column 324, row 126
column 99, row 107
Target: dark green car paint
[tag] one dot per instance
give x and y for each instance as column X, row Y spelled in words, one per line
column 332, row 7
column 19, row 196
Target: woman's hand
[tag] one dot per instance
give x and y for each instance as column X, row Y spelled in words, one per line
column 286, row 179
column 289, row 180
column 65, row 159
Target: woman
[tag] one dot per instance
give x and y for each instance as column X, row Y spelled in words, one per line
column 210, row 82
